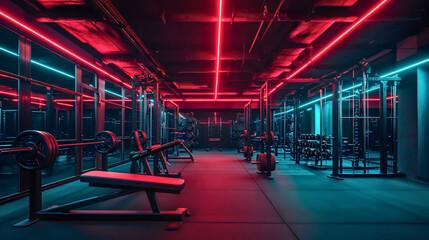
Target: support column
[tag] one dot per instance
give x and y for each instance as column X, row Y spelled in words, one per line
column 78, row 121
column 261, row 117
column 101, row 107
column 296, row 128
column 383, row 127
column 134, row 106
column 24, row 105
column 157, row 112
column 268, row 127
column 335, row 130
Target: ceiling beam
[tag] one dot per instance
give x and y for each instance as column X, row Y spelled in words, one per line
column 255, row 15
column 334, row 14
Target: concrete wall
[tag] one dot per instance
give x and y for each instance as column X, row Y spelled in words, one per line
column 423, row 122
column 407, row 124
column 413, row 112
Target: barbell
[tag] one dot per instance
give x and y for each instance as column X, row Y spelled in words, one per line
column 268, row 139
column 138, row 139
column 33, row 149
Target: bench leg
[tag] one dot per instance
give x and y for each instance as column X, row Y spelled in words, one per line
column 153, row 201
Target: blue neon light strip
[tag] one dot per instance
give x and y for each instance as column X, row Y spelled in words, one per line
column 405, row 68
column 317, row 100
column 52, row 69
column 39, row 64
column 7, row 51
column 358, row 85
column 370, row 90
column 113, row 93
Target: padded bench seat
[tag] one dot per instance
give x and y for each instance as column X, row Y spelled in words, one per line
column 127, row 180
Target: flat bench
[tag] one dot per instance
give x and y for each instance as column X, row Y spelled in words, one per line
column 127, row 183
column 129, row 180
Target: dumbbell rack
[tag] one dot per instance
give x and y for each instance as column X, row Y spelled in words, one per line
column 314, row 148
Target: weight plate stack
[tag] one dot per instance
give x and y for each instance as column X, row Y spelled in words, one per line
column 44, row 151
column 189, row 135
column 262, row 165
column 188, row 143
column 110, row 142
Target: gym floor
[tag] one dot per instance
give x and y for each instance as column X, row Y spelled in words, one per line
column 228, row 200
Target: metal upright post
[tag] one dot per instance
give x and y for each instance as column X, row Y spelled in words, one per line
column 296, row 129
column 395, row 128
column 24, row 101
column 383, row 127
column 141, row 126
column 78, row 122
column 261, row 116
column 156, row 128
column 134, row 105
column 156, row 104
column 268, row 127
column 284, row 129
column 145, row 113
column 335, row 133
column 122, row 143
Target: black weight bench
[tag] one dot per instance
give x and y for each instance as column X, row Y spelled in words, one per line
column 158, row 156
column 127, row 183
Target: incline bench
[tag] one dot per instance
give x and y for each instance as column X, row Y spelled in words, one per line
column 158, row 156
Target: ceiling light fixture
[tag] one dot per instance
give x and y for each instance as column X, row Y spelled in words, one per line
column 65, row 50
column 324, row 50
column 218, row 49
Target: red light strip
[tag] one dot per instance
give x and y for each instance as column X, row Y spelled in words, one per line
column 64, row 104
column 174, row 104
column 207, row 93
column 63, row 49
column 11, row 94
column 35, row 103
column 211, row 100
column 218, row 49
column 331, row 44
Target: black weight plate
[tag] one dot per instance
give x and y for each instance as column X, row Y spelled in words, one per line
column 51, row 147
column 241, row 143
column 241, row 127
column 188, row 143
column 42, row 153
column 56, row 150
column 142, row 140
column 190, row 126
column 240, row 118
column 263, row 164
column 190, row 119
column 110, row 142
column 189, row 135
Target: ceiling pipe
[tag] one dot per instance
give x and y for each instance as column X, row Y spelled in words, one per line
column 107, row 7
column 272, row 19
column 264, row 14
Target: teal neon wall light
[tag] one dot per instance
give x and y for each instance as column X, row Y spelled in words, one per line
column 358, row 85
column 405, row 68
column 39, row 64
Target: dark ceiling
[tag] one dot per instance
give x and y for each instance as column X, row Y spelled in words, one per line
column 176, row 40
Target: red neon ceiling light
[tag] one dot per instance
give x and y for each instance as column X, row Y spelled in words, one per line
column 323, row 51
column 211, row 100
column 218, row 49
column 65, row 50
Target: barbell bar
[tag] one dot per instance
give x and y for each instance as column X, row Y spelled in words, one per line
column 33, row 149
